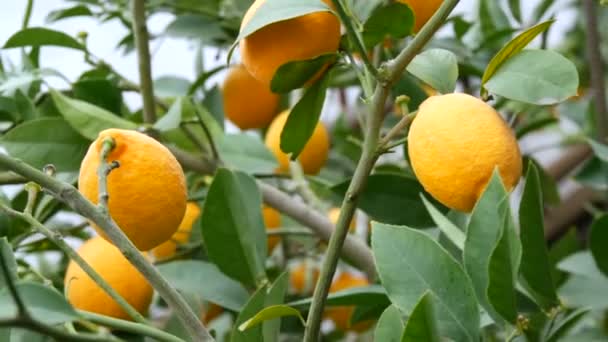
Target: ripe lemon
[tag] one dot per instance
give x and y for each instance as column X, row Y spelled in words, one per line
column 182, row 235
column 272, row 220
column 147, row 192
column 341, row 315
column 315, row 152
column 247, row 102
column 303, row 278
column 300, row 38
column 83, row 293
column 423, row 10
column 455, row 143
column 334, row 214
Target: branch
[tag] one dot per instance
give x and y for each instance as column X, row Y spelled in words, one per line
column 56, row 333
column 135, row 328
column 140, row 32
column 27, row 15
column 70, row 195
column 368, row 158
column 22, row 310
column 10, row 178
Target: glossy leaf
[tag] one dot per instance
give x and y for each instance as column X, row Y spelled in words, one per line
column 407, row 256
column 303, row 118
column 393, row 20
column 293, row 75
column 246, row 153
column 598, row 240
column 436, row 67
column 233, row 228
column 188, row 275
column 446, row 226
column 46, row 141
column 99, row 92
column 87, row 119
column 422, row 323
column 390, row 325
column 269, row 313
column 45, row 304
column 39, row 36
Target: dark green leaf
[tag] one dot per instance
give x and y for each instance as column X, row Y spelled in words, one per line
column 598, row 242
column 44, row 304
column 75, row 11
column 390, row 326
column 38, row 36
column 233, row 228
column 188, row 275
column 548, row 185
column 246, row 153
column 303, row 118
column 437, row 68
column 394, row 199
column 422, row 323
column 515, row 8
column 25, row 106
column 393, row 20
column 46, row 141
column 255, row 304
column 358, row 296
column 293, row 75
column 406, row 256
column 6, row 253
column 100, row 92
column 564, row 325
column 535, row 267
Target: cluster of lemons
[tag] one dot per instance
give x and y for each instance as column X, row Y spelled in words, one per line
column 454, row 144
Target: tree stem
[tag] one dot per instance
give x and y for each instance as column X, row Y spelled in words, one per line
column 140, row 32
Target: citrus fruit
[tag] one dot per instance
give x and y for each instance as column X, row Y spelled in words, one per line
column 272, row 220
column 315, row 152
column 147, row 191
column 455, row 143
column 423, row 10
column 303, row 278
column 84, row 293
column 182, row 235
column 334, row 214
column 247, row 102
column 299, row 38
column 212, row 312
column 341, row 315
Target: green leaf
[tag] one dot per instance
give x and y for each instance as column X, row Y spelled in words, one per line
column 188, row 275
column 75, row 11
column 393, row 199
column 598, row 240
column 406, row 256
column 390, row 325
column 535, row 266
column 233, row 228
column 25, row 106
column 171, row 86
column 269, row 313
column 564, row 324
column 6, row 253
column 253, row 306
column 548, row 185
column 446, row 226
column 203, row 28
column 393, row 20
column 437, row 68
column 246, row 153
column 100, row 92
column 303, row 118
column 600, row 150
column 593, row 174
column 86, row 118
column 515, row 8
column 359, row 296
column 45, row 304
column 422, row 323
column 523, row 78
column 172, row 118
column 583, row 264
column 275, row 296
column 511, row 49
column 272, row 11
column 38, row 36
column 582, row 291
column 293, row 75
column 46, row 141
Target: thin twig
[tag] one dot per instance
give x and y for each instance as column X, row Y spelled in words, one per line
column 9, row 178
column 32, row 190
column 304, row 189
column 104, row 171
column 22, row 309
column 135, row 328
column 140, row 32
column 399, row 128
column 56, row 333
column 27, row 15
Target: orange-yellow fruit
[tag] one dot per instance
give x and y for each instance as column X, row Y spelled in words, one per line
column 247, row 102
column 84, row 294
column 423, row 10
column 211, row 313
column 272, row 220
column 300, row 38
column 341, row 315
column 182, row 235
column 334, row 214
column 303, row 278
column 147, row 191
column 315, row 152
column 455, row 143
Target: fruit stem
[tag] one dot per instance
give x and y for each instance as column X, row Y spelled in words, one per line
column 140, row 33
column 103, row 172
column 395, row 68
column 68, row 194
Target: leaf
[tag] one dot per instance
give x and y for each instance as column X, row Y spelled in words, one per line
column 422, row 323
column 593, row 174
column 548, row 185
column 172, row 118
column 269, row 313
column 233, row 228
column 515, row 8
column 511, row 49
column 171, row 86
column 254, row 305
column 86, row 118
column 359, row 296
column 564, row 325
column 581, row 291
column 535, row 266
column 295, row 74
column 303, row 118
column 246, row 153
column 394, row 20
column 99, row 92
column 272, row 11
column 583, row 264
column 406, row 256
column 538, row 77
column 206, row 29
column 445, row 225
column 6, row 253
column 44, row 304
column 46, row 141
column 437, row 68
column 188, row 275
column 598, row 240
column 393, row 199
column 25, row 106
column 390, row 325
column 600, row 150
column 75, row 11
column 275, row 296
column 39, row 36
